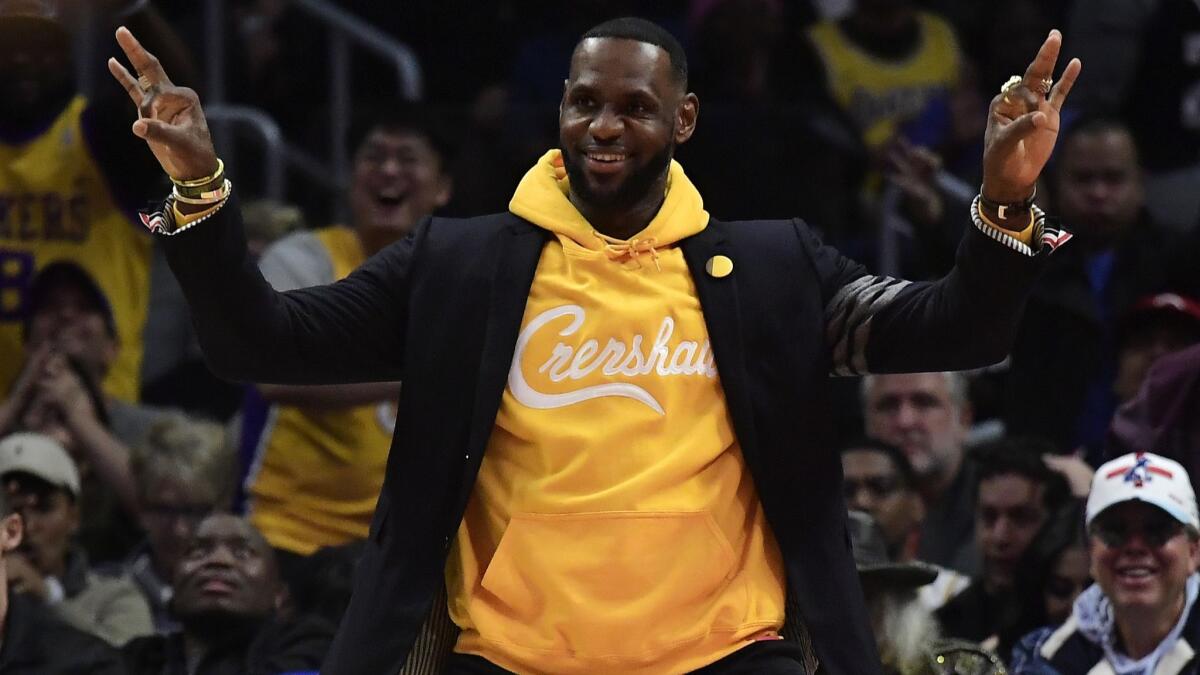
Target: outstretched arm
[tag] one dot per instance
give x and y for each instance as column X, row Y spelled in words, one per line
column 967, row 319
column 350, row 331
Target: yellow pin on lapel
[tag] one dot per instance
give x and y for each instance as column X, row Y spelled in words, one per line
column 719, row 266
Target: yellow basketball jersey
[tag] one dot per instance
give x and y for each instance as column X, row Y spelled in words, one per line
column 317, row 473
column 880, row 95
column 55, row 204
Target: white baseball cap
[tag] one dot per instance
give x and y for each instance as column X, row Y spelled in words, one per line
column 1144, row 477
column 40, row 456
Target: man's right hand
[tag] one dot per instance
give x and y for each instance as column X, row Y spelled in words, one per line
column 23, row 577
column 170, row 119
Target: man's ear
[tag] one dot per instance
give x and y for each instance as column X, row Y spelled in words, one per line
column 445, row 190
column 12, row 531
column 284, row 602
column 966, row 415
column 686, row 115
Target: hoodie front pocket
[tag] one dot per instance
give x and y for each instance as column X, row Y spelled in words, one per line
column 612, row 585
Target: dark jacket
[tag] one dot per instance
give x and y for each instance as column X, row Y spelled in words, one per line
column 1067, row 344
column 441, row 311
column 276, row 647
column 38, row 643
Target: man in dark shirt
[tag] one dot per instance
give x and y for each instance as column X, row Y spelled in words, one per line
column 227, row 597
column 1015, row 495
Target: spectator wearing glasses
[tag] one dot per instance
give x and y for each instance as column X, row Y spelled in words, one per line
column 183, row 472
column 1140, row 615
column 928, row 416
column 880, row 481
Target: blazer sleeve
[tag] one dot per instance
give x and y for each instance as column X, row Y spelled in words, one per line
column 348, row 331
column 967, row 319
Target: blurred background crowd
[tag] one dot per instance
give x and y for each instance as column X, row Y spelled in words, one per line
column 343, row 123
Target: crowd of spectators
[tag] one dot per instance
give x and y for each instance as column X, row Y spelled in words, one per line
column 122, row 457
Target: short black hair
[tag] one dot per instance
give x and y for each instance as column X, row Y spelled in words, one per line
column 1022, row 456
column 1092, row 124
column 67, row 273
column 903, row 466
column 640, row 30
column 403, row 117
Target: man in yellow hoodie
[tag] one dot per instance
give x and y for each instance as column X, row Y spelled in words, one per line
column 612, row 450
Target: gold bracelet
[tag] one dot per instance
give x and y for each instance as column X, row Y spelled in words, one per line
column 201, row 182
column 204, row 198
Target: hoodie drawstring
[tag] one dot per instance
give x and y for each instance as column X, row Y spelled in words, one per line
column 619, row 248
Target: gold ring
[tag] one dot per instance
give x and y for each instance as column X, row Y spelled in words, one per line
column 1046, row 84
column 1012, row 83
column 144, row 83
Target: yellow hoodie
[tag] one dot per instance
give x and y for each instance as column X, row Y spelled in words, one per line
column 613, row 526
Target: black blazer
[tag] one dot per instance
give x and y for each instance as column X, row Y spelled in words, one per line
column 441, row 310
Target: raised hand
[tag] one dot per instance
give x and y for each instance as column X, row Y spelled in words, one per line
column 1023, row 124
column 170, row 119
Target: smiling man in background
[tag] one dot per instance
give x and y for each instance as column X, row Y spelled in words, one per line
column 1141, row 614
column 316, row 455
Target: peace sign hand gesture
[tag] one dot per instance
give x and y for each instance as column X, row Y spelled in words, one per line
column 1022, row 126
column 170, row 119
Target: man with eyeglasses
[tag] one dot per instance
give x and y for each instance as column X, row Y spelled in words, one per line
column 879, row 480
column 1139, row 618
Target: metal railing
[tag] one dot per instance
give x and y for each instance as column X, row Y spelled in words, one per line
column 224, row 116
column 345, row 30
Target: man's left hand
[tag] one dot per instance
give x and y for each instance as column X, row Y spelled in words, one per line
column 1023, row 126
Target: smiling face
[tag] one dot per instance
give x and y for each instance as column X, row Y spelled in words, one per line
column 229, row 570
column 622, row 114
column 1141, row 558
column 398, row 179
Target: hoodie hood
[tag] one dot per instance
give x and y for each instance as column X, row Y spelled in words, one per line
column 541, row 198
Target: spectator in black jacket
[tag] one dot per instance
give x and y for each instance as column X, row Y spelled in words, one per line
column 1065, row 356
column 228, row 596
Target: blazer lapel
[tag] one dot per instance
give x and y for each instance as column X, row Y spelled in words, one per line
column 719, row 302
column 516, row 259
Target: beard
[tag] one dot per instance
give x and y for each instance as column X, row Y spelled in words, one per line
column 636, row 186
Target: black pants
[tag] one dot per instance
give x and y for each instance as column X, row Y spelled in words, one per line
column 765, row 657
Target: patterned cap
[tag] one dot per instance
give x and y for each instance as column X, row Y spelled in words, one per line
column 1144, row 477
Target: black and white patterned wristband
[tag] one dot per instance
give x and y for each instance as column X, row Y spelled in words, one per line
column 1039, row 225
column 162, row 219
